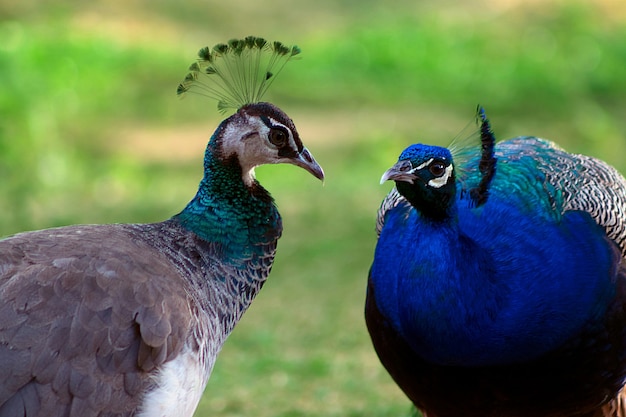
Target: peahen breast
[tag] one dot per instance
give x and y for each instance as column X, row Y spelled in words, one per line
column 511, row 304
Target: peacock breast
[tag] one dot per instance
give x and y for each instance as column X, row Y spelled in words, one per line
column 495, row 285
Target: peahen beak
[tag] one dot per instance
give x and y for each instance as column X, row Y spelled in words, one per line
column 401, row 171
column 305, row 160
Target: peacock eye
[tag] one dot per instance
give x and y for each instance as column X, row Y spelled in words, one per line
column 278, row 137
column 437, row 168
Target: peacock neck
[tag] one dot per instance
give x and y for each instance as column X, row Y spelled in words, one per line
column 228, row 212
column 437, row 204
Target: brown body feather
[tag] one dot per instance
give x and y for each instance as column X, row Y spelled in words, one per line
column 88, row 312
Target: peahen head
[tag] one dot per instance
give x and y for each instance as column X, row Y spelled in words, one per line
column 237, row 74
column 257, row 134
column 424, row 175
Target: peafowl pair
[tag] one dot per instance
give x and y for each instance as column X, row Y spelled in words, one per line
column 498, row 286
column 127, row 319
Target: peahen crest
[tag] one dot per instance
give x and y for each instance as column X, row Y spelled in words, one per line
column 238, row 72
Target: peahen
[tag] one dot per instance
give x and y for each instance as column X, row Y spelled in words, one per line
column 127, row 319
column 498, row 286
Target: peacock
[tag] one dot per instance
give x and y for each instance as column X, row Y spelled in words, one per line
column 127, row 319
column 498, row 285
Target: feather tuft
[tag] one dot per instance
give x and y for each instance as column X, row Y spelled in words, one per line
column 474, row 162
column 238, row 72
column 487, row 163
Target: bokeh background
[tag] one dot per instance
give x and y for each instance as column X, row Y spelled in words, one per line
column 91, row 131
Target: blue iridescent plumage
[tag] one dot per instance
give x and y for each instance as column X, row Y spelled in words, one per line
column 497, row 287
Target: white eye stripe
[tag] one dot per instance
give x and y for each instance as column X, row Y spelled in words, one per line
column 443, row 180
column 294, row 143
column 424, row 165
column 290, row 139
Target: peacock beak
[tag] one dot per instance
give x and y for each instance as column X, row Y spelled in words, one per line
column 305, row 160
column 401, row 171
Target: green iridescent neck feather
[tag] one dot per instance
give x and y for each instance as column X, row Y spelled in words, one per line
column 228, row 212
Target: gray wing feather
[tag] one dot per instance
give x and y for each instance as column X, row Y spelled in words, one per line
column 392, row 200
column 601, row 191
column 85, row 313
column 585, row 183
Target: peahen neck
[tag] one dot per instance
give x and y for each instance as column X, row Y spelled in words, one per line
column 228, row 212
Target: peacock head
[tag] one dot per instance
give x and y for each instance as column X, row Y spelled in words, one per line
column 424, row 175
column 237, row 74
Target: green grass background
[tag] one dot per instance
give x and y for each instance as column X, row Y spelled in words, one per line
column 91, row 131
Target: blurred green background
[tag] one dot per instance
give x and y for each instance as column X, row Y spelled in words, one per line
column 91, row 131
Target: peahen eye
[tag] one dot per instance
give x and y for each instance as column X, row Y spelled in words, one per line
column 437, row 169
column 278, row 137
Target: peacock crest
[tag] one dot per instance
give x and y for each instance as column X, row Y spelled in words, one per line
column 238, row 72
